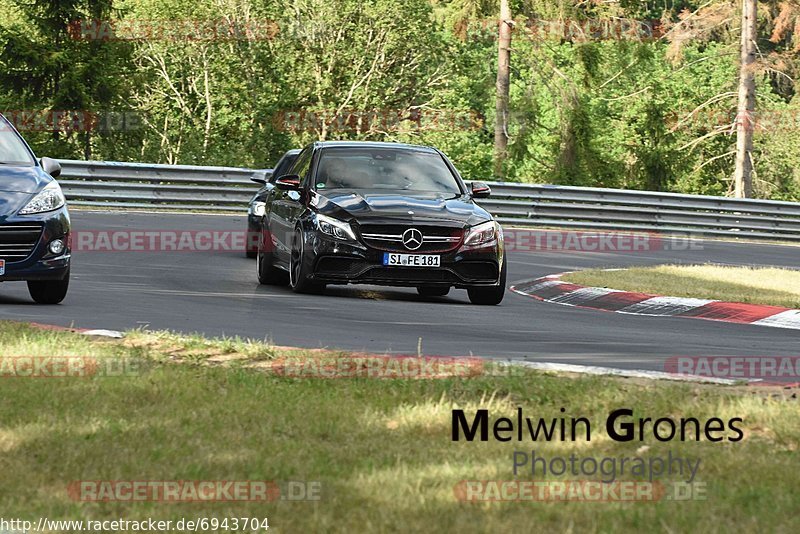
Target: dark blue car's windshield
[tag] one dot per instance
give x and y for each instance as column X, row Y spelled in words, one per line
column 12, row 150
column 392, row 169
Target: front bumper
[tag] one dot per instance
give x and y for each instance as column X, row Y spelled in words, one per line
column 338, row 262
column 40, row 264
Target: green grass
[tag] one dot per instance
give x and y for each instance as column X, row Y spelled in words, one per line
column 773, row 286
column 380, row 448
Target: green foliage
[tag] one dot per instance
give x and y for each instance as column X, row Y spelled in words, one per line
column 645, row 112
column 43, row 68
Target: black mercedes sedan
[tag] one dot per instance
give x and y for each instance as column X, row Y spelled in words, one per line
column 34, row 221
column 388, row 214
column 255, row 210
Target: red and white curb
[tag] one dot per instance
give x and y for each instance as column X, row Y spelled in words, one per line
column 553, row 289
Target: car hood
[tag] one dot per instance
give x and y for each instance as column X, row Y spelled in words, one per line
column 382, row 206
column 17, row 187
column 15, row 179
column 11, row 203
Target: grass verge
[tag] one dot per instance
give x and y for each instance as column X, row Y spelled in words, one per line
column 193, row 409
column 772, row 286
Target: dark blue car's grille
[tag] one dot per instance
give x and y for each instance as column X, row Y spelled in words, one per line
column 17, row 240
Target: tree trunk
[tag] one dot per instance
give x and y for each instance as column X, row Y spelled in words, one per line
column 745, row 118
column 502, row 87
column 87, row 142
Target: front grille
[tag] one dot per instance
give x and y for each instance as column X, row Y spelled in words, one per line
column 344, row 267
column 400, row 274
column 17, row 240
column 389, row 237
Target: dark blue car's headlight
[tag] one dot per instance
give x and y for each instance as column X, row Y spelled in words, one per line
column 48, row 199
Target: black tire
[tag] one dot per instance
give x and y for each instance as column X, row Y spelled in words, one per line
column 298, row 269
column 433, row 291
column 268, row 274
column 253, row 239
column 251, row 245
column 49, row 291
column 490, row 296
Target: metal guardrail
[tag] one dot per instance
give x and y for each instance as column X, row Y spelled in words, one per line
column 141, row 185
column 138, row 185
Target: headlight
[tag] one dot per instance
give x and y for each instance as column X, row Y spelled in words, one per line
column 50, row 198
column 259, row 209
column 335, row 228
column 482, row 234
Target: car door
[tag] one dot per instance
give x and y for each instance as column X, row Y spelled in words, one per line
column 285, row 208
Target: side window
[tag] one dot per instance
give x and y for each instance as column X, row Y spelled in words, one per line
column 303, row 163
column 313, row 163
column 284, row 167
column 276, row 172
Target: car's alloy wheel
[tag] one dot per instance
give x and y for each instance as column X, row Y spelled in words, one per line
column 267, row 273
column 298, row 277
column 490, row 296
column 49, row 291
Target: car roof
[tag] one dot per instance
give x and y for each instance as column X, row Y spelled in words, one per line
column 372, row 144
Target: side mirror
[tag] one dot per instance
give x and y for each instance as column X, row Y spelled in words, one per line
column 261, row 177
column 288, row 182
column 51, row 167
column 480, row 190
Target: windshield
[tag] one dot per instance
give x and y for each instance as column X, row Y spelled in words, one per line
column 12, row 150
column 392, row 169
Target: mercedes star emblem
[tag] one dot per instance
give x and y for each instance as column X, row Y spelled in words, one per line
column 412, row 239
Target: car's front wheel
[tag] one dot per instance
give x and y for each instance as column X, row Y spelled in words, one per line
column 490, row 296
column 268, row 274
column 298, row 268
column 49, row 291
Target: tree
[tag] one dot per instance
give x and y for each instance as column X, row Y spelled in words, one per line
column 48, row 67
column 745, row 119
column 506, row 25
column 361, row 69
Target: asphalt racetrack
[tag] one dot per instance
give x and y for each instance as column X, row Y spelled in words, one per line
column 216, row 293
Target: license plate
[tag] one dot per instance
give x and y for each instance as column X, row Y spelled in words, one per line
column 411, row 260
column 2, row 267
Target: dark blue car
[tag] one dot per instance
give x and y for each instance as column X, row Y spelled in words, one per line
column 34, row 221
